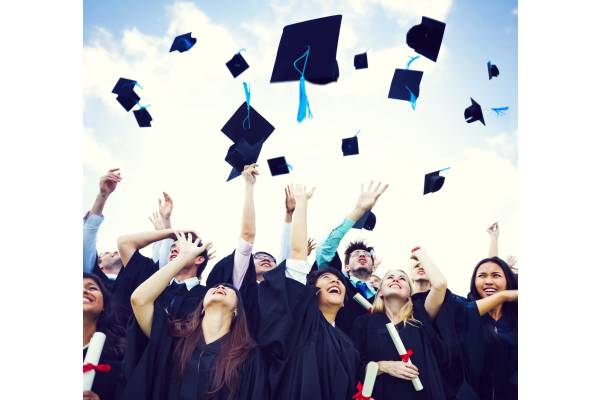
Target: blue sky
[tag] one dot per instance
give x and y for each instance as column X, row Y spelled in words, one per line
column 193, row 95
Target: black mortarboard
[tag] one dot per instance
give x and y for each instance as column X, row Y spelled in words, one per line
column 360, row 61
column 350, row 146
column 322, row 36
column 253, row 130
column 278, row 166
column 426, row 38
column 493, row 70
column 367, row 221
column 433, row 182
column 126, row 96
column 183, row 43
column 403, row 81
column 237, row 64
column 143, row 117
column 474, row 113
column 240, row 154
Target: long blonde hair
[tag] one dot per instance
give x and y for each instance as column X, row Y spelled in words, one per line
column 406, row 312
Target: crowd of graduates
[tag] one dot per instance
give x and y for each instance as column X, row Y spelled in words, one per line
column 285, row 328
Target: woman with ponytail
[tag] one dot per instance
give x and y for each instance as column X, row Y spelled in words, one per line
column 208, row 354
column 412, row 320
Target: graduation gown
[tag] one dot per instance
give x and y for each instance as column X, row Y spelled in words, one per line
column 308, row 358
column 105, row 383
column 155, row 375
column 374, row 343
column 222, row 272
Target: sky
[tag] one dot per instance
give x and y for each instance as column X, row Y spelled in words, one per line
column 192, row 95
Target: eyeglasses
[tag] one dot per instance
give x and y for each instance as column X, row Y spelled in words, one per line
column 261, row 257
column 358, row 253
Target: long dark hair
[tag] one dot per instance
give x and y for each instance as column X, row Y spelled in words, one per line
column 107, row 322
column 234, row 352
column 509, row 308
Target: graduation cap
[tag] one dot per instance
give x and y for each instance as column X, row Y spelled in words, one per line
column 183, row 43
column 143, row 117
column 405, row 85
column 367, row 221
column 360, row 61
column 474, row 113
column 350, row 146
column 493, row 70
column 321, row 66
column 433, row 182
column 126, row 96
column 237, row 64
column 278, row 166
column 258, row 129
column 426, row 38
column 240, row 154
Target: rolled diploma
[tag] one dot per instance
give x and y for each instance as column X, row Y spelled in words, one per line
column 370, row 376
column 362, row 301
column 93, row 356
column 402, row 350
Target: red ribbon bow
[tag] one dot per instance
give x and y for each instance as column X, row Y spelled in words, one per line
column 100, row 367
column 406, row 357
column 358, row 395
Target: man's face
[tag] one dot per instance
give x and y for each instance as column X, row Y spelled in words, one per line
column 417, row 272
column 263, row 263
column 110, row 262
column 360, row 262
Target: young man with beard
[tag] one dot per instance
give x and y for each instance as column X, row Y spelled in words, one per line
column 358, row 260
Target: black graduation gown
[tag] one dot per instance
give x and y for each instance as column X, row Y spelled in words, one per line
column 374, row 343
column 222, row 272
column 105, row 383
column 155, row 378
column 309, row 359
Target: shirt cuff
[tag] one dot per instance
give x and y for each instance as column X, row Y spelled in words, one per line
column 297, row 270
column 92, row 220
column 244, row 248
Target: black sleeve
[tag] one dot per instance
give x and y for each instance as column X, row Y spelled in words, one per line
column 360, row 337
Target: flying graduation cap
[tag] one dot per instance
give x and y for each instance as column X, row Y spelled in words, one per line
column 258, row 129
column 240, row 154
column 237, row 64
column 183, row 43
column 474, row 113
column 434, row 181
column 426, row 38
column 360, row 61
column 493, row 70
column 278, row 166
column 350, row 146
column 405, row 85
column 126, row 96
column 367, row 221
column 143, row 117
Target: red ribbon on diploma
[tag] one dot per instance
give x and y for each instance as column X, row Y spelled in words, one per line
column 100, row 367
column 406, row 357
column 358, row 395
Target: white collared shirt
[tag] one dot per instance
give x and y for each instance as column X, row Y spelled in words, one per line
column 190, row 283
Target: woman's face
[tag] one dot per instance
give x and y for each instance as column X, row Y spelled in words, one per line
column 395, row 283
column 221, row 295
column 489, row 279
column 331, row 290
column 93, row 300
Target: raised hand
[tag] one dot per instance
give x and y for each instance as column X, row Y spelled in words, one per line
column 250, row 173
column 156, row 221
column 511, row 261
column 290, row 200
column 369, row 197
column 301, row 192
column 165, row 208
column 188, row 248
column 493, row 230
column 311, row 246
column 108, row 183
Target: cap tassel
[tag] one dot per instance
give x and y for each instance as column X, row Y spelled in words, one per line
column 413, row 99
column 303, row 106
column 500, row 110
column 247, row 92
column 411, row 61
column 141, row 106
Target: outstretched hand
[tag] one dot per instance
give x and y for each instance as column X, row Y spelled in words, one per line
column 250, row 173
column 165, row 208
column 290, row 201
column 369, row 197
column 108, row 183
column 493, row 230
column 188, row 248
column 311, row 246
column 156, row 221
column 301, row 192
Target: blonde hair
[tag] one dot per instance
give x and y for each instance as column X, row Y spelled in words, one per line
column 406, row 312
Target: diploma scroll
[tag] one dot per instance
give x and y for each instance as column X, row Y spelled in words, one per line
column 371, row 375
column 93, row 357
column 363, row 302
column 402, row 351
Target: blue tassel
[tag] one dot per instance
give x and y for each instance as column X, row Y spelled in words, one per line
column 413, row 99
column 445, row 169
column 289, row 167
column 410, row 61
column 141, row 106
column 138, row 85
column 500, row 110
column 303, row 105
column 247, row 92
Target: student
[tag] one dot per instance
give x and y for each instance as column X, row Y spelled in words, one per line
column 358, row 258
column 98, row 317
column 207, row 354
column 309, row 357
column 413, row 322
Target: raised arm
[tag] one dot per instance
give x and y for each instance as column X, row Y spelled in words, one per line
column 493, row 230
column 290, row 206
column 93, row 219
column 165, row 208
column 128, row 244
column 157, row 223
column 487, row 304
column 142, row 299
column 248, row 218
column 366, row 201
column 436, row 294
column 299, row 224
